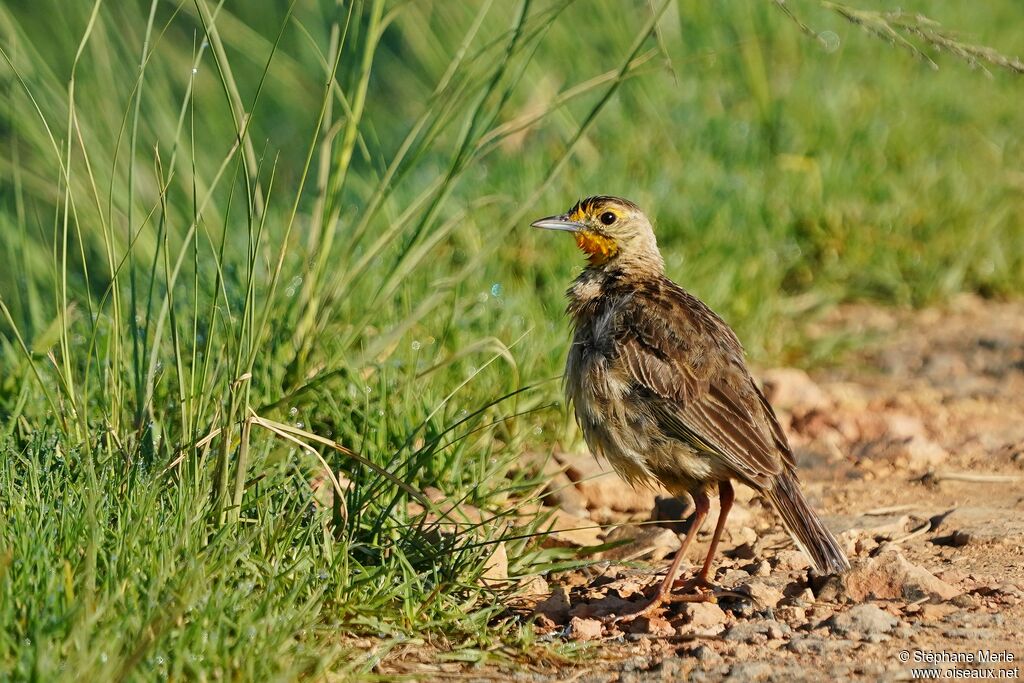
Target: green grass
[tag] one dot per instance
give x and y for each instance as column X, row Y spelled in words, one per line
column 251, row 247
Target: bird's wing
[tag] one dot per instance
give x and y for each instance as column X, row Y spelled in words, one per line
column 689, row 364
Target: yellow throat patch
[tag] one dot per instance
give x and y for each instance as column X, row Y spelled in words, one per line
column 598, row 248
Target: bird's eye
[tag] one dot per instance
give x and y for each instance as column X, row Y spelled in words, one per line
column 607, row 218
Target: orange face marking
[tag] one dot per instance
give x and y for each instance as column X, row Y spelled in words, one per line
column 597, row 247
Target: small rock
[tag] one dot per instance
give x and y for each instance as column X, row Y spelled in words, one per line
column 904, row 442
column 496, row 568
column 790, row 389
column 802, row 598
column 556, row 606
column 1010, row 589
column 791, row 560
column 447, row 509
column 957, row 539
column 744, row 536
column 749, row 671
column 604, row 607
column 703, row 614
column 903, row 633
column 743, row 551
column 819, row 614
column 602, row 487
column 543, row 623
column 565, row 530
column 830, row 589
column 562, row 493
column 934, row 613
column 890, row 576
column 731, row 577
column 965, row 600
column 758, row 631
column 654, row 625
column 811, row 645
column 763, row 594
column 794, row 616
column 645, row 542
column 705, row 654
column 585, row 629
column 534, row 585
column 972, row 634
column 953, row 576
column 762, row 568
column 866, row 620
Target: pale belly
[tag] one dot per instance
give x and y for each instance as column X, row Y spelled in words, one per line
column 618, row 428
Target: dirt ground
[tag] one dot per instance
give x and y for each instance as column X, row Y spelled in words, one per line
column 913, row 451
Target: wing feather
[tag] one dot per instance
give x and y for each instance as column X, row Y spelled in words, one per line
column 690, row 367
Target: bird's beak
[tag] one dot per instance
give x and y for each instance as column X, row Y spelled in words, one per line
column 558, row 223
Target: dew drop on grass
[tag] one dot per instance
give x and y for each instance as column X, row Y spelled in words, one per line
column 829, row 41
column 416, row 346
column 496, row 289
column 538, row 430
column 195, row 70
column 367, row 389
column 300, row 425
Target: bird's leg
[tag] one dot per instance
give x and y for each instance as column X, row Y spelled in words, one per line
column 664, row 594
column 700, row 582
column 725, row 498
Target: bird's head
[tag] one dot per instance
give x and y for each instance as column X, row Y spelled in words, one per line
column 609, row 230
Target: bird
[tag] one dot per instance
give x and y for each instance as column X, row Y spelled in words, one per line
column 660, row 389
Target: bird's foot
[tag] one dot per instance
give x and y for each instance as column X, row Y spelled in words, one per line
column 697, row 584
column 699, row 589
column 696, row 589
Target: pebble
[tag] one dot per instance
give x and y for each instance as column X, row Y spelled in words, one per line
column 732, row 577
column 864, row 620
column 792, row 615
column 556, row 606
column 703, row 614
column 584, row 629
column 791, row 560
column 705, row 654
column 763, row 594
column 890, row 576
column 971, row 633
column 653, row 543
column 810, row 645
column 749, row 671
column 759, row 631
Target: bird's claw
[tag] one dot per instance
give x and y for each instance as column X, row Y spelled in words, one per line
column 692, row 590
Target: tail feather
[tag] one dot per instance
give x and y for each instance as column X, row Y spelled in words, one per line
column 806, row 527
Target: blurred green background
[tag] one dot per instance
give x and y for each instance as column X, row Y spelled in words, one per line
column 315, row 215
